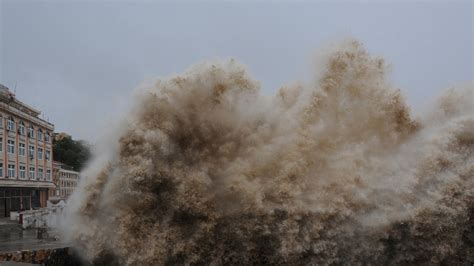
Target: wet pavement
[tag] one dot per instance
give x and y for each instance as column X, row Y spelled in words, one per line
column 14, row 238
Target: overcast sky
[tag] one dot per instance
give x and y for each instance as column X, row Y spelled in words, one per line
column 79, row 61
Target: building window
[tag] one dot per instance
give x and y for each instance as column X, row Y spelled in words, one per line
column 32, row 152
column 48, row 155
column 11, row 124
column 1, row 121
column 40, row 134
column 32, row 173
column 40, row 173
column 40, row 153
column 46, row 136
column 1, row 169
column 1, row 144
column 11, row 146
column 31, row 132
column 21, row 149
column 48, row 175
column 22, row 172
column 21, row 128
column 11, row 170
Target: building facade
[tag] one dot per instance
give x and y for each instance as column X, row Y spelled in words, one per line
column 65, row 180
column 26, row 155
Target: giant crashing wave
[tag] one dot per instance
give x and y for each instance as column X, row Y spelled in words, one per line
column 206, row 170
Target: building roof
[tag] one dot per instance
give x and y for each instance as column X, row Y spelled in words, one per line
column 3, row 88
column 8, row 97
column 61, row 135
column 62, row 166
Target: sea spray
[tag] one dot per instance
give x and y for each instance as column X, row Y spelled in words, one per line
column 206, row 170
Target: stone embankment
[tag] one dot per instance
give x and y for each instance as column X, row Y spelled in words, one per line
column 59, row 256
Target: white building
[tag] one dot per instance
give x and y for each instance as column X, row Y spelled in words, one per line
column 65, row 180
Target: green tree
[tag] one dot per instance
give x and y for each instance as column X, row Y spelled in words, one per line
column 74, row 153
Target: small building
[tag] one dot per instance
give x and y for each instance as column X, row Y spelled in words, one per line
column 65, row 180
column 25, row 155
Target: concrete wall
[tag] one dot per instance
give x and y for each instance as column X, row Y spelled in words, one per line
column 50, row 217
column 46, row 217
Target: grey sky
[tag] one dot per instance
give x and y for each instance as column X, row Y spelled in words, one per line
column 78, row 62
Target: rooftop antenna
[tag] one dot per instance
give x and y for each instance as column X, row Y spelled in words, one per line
column 14, row 90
